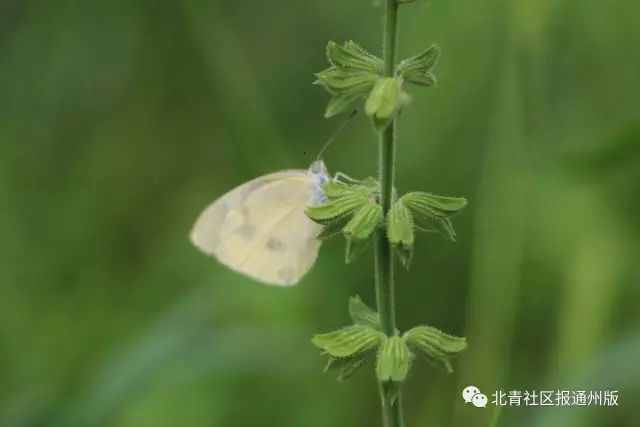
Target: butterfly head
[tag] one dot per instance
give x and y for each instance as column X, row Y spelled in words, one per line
column 319, row 176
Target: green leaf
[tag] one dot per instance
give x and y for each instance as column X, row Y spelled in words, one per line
column 418, row 68
column 348, row 341
column 362, row 314
column 394, row 360
column 364, row 222
column 437, row 346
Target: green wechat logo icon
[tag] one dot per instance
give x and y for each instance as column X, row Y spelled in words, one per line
column 471, row 394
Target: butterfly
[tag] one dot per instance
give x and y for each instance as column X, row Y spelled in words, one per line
column 260, row 228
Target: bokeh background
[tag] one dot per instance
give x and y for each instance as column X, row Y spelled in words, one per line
column 121, row 120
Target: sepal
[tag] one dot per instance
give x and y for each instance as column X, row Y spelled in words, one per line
column 342, row 103
column 386, row 98
column 394, row 360
column 333, row 228
column 346, row 366
column 350, row 209
column 364, row 222
column 340, row 81
column 434, row 209
column 419, row 68
column 354, row 248
column 351, row 347
column 362, row 314
column 400, row 231
column 352, row 56
column 359, row 230
column 352, row 75
column 336, row 208
column 348, row 341
column 333, row 189
column 437, row 346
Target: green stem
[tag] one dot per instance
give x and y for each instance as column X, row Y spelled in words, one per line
column 383, row 256
column 384, row 277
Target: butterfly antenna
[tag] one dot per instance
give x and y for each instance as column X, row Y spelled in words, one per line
column 336, row 133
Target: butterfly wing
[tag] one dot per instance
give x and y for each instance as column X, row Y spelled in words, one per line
column 260, row 228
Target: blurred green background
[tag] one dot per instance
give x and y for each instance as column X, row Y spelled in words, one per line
column 121, row 120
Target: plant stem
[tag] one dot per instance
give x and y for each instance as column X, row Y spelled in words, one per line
column 384, row 277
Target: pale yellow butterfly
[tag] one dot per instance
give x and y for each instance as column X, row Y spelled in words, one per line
column 260, row 228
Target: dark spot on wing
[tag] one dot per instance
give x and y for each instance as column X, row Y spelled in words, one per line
column 275, row 245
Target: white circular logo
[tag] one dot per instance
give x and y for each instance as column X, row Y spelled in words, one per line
column 471, row 394
column 479, row 400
